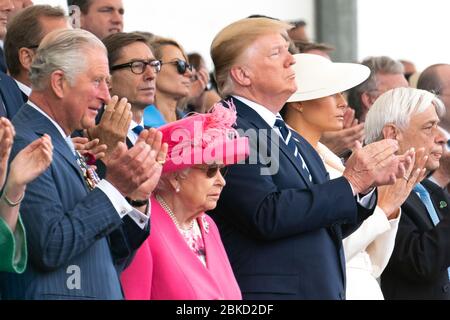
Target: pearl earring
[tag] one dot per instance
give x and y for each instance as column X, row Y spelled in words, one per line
column 177, row 189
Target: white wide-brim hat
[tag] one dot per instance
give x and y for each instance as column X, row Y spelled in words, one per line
column 318, row 77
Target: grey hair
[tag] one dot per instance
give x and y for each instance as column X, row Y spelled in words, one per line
column 164, row 184
column 63, row 50
column 377, row 65
column 396, row 107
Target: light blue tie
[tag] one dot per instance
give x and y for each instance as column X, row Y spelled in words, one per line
column 71, row 145
column 424, row 195
column 286, row 135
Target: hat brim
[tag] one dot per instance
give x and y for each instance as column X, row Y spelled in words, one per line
column 227, row 152
column 325, row 80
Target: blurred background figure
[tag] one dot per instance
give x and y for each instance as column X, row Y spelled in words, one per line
column 386, row 74
column 409, row 68
column 436, row 79
column 298, row 31
column 321, row 49
column 441, row 176
column 203, row 95
column 184, row 258
column 6, row 7
column 101, row 17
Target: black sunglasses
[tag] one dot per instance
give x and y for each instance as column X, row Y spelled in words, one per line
column 182, row 66
column 139, row 66
column 211, row 171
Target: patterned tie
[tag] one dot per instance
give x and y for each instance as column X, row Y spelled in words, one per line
column 138, row 129
column 426, row 200
column 286, row 136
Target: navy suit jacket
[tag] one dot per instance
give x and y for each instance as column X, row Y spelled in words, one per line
column 283, row 234
column 77, row 242
column 11, row 95
column 418, row 266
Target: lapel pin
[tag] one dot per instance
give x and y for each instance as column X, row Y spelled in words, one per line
column 442, row 204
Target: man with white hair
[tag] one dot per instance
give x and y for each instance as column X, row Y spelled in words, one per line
column 418, row 266
column 81, row 231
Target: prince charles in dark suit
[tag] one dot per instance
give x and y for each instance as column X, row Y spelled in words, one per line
column 81, row 232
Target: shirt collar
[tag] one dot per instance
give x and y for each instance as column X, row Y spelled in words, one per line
column 268, row 116
column 23, row 87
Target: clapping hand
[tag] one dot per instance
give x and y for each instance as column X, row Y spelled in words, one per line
column 7, row 134
column 153, row 138
column 113, row 126
column 391, row 197
column 375, row 165
column 30, row 162
column 92, row 148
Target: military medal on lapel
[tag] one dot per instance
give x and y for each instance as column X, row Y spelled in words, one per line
column 90, row 176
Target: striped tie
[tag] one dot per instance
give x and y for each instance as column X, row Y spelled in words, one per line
column 286, row 135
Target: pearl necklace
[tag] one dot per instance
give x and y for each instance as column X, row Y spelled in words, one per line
column 172, row 215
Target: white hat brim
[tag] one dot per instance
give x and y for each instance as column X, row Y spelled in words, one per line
column 318, row 77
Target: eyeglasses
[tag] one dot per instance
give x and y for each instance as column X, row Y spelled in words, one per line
column 139, row 66
column 211, row 171
column 182, row 66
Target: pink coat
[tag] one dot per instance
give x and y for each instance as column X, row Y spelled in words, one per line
column 164, row 268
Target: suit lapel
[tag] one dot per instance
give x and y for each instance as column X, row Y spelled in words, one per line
column 41, row 125
column 416, row 205
column 247, row 114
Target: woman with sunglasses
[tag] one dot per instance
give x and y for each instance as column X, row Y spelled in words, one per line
column 317, row 107
column 184, row 258
column 173, row 83
column 26, row 166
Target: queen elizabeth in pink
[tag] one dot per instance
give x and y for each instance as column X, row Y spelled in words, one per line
column 184, row 258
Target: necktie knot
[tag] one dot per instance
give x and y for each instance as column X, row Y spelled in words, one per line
column 138, row 129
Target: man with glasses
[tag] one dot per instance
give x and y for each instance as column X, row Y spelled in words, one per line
column 133, row 69
column 101, row 17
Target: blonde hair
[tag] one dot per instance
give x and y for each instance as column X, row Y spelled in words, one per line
column 232, row 41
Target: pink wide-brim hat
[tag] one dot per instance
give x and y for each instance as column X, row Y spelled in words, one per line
column 204, row 139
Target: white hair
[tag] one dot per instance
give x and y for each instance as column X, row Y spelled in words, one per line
column 396, row 107
column 64, row 50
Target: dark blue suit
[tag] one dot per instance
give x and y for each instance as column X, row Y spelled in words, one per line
column 283, row 234
column 67, row 227
column 11, row 95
